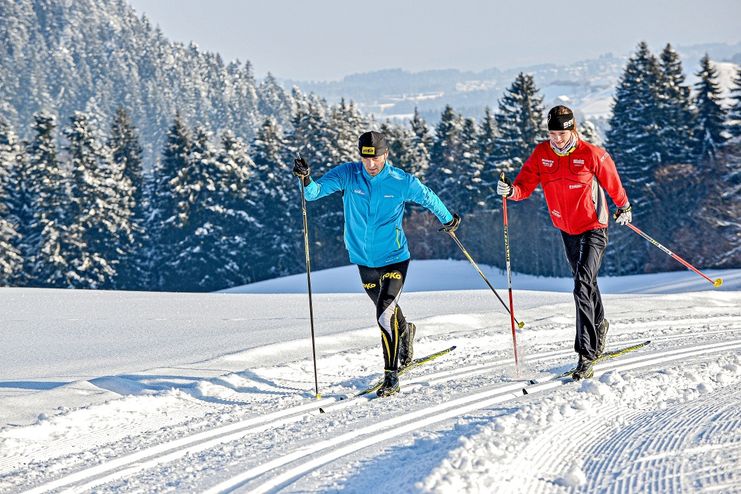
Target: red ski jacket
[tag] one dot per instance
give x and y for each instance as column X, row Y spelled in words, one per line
column 572, row 185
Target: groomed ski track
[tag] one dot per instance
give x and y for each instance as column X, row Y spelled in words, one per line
column 451, row 389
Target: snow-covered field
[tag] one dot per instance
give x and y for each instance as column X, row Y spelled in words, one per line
column 152, row 392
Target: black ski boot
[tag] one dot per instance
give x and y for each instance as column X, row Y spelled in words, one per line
column 584, row 370
column 406, row 345
column 602, row 336
column 390, row 384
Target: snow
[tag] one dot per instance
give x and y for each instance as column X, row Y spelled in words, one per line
column 132, row 391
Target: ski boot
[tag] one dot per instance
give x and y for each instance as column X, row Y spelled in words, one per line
column 390, row 384
column 406, row 345
column 602, row 336
column 584, row 370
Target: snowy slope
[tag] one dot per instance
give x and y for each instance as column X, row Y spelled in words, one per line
column 122, row 392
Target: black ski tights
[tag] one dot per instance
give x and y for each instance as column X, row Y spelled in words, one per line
column 384, row 285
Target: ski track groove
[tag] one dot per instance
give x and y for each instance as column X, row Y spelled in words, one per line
column 640, row 461
column 446, row 411
column 440, row 376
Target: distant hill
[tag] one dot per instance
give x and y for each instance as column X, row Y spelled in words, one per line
column 586, row 85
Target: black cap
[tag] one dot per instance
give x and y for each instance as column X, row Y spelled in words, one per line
column 561, row 118
column 372, row 144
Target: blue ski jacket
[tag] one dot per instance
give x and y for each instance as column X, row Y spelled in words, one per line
column 374, row 209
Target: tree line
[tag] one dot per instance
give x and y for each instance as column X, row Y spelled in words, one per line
column 79, row 208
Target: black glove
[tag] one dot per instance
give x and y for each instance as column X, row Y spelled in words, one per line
column 451, row 225
column 624, row 215
column 301, row 170
column 504, row 186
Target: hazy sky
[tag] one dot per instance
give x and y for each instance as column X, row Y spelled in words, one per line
column 327, row 39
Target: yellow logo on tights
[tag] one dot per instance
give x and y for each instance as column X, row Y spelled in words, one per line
column 368, row 286
column 394, row 275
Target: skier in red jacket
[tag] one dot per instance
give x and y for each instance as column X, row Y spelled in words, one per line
column 573, row 174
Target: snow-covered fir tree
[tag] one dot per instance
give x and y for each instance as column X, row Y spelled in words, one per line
column 485, row 145
column 165, row 220
column 631, row 141
column 675, row 118
column 421, row 144
column 126, row 155
column 470, row 193
column 443, row 174
column 277, row 207
column 215, row 225
column 344, row 127
column 734, row 113
column 519, row 120
column 314, row 141
column 11, row 262
column 99, row 229
column 631, row 138
column 399, row 138
column 710, row 120
column 588, row 132
column 274, row 101
column 46, row 200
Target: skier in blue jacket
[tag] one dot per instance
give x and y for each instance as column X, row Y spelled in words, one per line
column 374, row 195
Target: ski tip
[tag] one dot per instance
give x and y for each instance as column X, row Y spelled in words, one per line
column 520, row 324
column 321, row 410
column 453, row 348
column 718, row 282
column 524, row 391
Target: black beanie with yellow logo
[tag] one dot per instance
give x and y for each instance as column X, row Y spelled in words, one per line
column 372, row 144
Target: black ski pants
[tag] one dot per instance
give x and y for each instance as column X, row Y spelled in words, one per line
column 384, row 285
column 584, row 252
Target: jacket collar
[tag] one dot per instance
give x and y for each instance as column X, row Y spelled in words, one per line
column 383, row 173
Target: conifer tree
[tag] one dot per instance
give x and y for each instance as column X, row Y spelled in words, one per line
column 469, row 193
column 126, row 155
column 214, row 224
column 486, row 144
column 233, row 205
column 519, row 120
column 166, row 222
column 314, row 140
column 631, row 138
column 277, row 208
column 632, row 143
column 445, row 154
column 401, row 152
column 44, row 208
column 588, row 132
column 99, row 233
column 674, row 112
column 11, row 262
column 421, row 144
column 274, row 101
column 734, row 114
column 711, row 116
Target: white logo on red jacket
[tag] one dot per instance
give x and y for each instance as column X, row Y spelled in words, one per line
column 576, row 186
column 578, row 162
column 547, row 163
column 556, row 213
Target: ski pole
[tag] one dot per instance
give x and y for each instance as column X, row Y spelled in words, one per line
column 308, row 281
column 473, row 263
column 716, row 283
column 509, row 274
